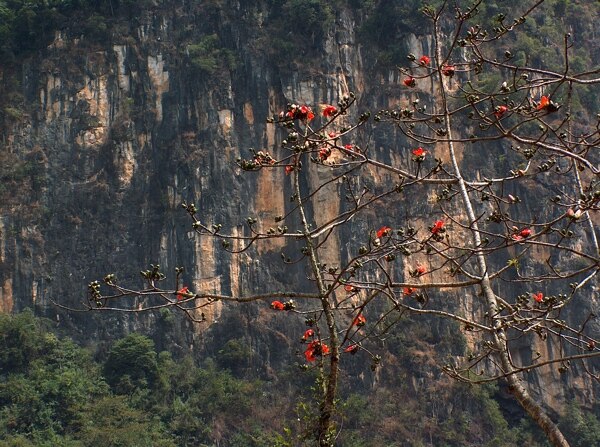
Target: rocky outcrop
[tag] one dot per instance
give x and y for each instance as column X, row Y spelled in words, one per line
column 114, row 135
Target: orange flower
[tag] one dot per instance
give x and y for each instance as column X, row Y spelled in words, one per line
column 525, row 232
column 424, row 60
column 277, row 305
column 418, row 271
column 409, row 81
column 289, row 169
column 349, row 288
column 500, row 110
column 314, row 349
column 419, row 152
column 306, row 113
column 438, row 226
column 329, row 111
column 538, row 297
column 544, row 102
column 324, row 153
column 407, row 291
column 181, row 292
column 299, row 113
column 352, row 349
column 359, row 320
column 383, row 231
column 448, row 70
column 308, row 333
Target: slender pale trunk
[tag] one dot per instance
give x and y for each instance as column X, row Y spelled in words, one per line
column 327, row 404
column 498, row 337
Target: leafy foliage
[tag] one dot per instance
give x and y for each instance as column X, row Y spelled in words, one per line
column 52, row 393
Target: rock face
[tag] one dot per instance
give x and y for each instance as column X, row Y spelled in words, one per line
column 116, row 133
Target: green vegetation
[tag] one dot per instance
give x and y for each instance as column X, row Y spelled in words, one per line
column 208, row 56
column 53, row 393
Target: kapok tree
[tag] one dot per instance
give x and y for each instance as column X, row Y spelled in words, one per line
column 487, row 143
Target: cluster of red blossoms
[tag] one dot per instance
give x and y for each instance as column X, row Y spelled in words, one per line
column 307, row 334
column 278, row 305
column 352, row 148
column 538, row 297
column 520, row 235
column 296, row 112
column 409, row 81
column 383, row 231
column 448, row 70
column 324, row 153
column 359, row 321
column 418, row 271
column 438, row 227
column 500, row 111
column 419, row 154
column 544, row 103
column 424, row 61
column 329, row 111
column 315, row 348
column 408, row 291
column 305, row 113
column 547, row 105
column 181, row 293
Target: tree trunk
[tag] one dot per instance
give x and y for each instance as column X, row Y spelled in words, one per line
column 533, row 408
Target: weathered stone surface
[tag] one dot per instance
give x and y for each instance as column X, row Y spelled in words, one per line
column 120, row 134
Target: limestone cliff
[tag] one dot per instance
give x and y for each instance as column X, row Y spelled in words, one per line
column 109, row 136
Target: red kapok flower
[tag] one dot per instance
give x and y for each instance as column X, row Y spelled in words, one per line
column 539, row 297
column 305, row 113
column 289, row 169
column 308, row 333
column 500, row 110
column 181, row 291
column 407, row 291
column 352, row 349
column 349, row 288
column 438, row 226
column 424, row 60
column 324, row 153
column 525, row 232
column 448, row 70
column 309, row 354
column 419, row 152
column 277, row 305
column 544, row 102
column 329, row 111
column 409, row 81
column 314, row 349
column 383, row 231
column 419, row 270
column 359, row 320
